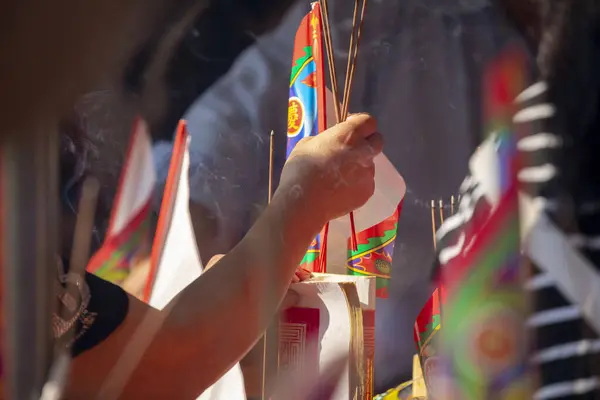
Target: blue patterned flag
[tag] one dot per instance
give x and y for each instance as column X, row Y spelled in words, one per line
column 307, row 104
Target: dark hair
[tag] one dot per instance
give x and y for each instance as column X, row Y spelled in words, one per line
column 569, row 60
column 565, row 34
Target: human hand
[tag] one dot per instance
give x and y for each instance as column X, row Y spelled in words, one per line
column 332, row 174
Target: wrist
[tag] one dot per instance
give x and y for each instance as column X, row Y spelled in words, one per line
column 295, row 208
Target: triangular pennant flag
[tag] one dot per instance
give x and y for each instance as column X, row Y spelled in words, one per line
column 175, row 261
column 128, row 236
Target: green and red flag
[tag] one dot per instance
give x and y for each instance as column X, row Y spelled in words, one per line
column 129, row 233
column 425, row 332
column 374, row 252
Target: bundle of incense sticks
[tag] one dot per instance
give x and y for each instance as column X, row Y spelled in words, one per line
column 341, row 105
column 454, row 200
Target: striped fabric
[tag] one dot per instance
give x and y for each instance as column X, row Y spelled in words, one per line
column 565, row 257
column 565, row 262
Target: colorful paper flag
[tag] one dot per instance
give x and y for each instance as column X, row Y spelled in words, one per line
column 306, row 104
column 128, row 237
column 175, row 262
column 374, row 252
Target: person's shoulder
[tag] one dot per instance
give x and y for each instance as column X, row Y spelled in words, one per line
column 91, row 309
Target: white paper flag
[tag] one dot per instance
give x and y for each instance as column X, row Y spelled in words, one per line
column 175, row 259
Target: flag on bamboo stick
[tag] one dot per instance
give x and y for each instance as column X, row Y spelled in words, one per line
column 175, row 261
column 306, row 104
column 128, row 237
column 374, row 252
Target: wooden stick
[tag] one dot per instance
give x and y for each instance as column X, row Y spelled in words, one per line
column 336, row 100
column 352, row 57
column 441, row 211
column 330, row 58
column 452, row 205
column 271, row 158
column 351, row 51
column 353, row 239
column 84, row 226
column 270, row 196
column 433, row 230
column 352, row 69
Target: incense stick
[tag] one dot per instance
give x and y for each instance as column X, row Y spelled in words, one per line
column 433, row 230
column 269, row 197
column 351, row 51
column 352, row 57
column 452, row 205
column 342, row 114
column 271, row 157
column 330, row 58
column 352, row 65
column 441, row 212
column 351, row 68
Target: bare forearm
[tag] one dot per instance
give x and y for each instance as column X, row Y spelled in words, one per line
column 215, row 321
column 242, row 293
